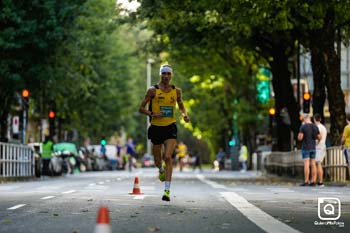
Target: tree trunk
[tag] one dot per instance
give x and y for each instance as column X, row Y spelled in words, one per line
column 4, row 113
column 318, row 70
column 332, row 78
column 286, row 105
column 335, row 94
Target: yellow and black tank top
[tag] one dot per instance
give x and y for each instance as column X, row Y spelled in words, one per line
column 166, row 102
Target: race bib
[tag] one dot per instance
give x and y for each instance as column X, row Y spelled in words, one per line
column 168, row 111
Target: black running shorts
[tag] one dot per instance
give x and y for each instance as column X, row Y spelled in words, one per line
column 158, row 134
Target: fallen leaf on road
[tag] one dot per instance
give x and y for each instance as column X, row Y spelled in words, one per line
column 153, row 229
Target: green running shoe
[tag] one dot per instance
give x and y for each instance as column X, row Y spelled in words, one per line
column 162, row 173
column 166, row 195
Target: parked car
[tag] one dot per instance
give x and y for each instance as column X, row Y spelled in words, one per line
column 148, row 161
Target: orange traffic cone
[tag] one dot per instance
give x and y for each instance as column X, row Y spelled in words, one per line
column 102, row 221
column 136, row 190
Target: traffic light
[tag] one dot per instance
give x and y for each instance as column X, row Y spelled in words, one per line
column 103, row 142
column 306, row 102
column 232, row 142
column 272, row 111
column 52, row 114
column 263, row 85
column 25, row 98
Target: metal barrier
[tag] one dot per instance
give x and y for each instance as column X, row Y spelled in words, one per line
column 16, row 160
column 291, row 164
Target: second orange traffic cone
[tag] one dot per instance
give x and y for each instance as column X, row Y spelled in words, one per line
column 102, row 221
column 136, row 190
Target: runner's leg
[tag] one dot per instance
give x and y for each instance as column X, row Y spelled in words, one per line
column 169, row 149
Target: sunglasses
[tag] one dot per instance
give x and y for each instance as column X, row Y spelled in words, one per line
column 168, row 73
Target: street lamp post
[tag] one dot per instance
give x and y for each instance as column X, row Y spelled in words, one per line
column 149, row 63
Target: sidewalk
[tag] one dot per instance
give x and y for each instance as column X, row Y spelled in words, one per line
column 250, row 177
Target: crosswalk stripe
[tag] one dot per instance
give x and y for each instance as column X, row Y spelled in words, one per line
column 67, row 192
column 16, row 207
column 256, row 215
column 47, row 197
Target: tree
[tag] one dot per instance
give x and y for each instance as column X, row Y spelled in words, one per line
column 30, row 31
column 322, row 26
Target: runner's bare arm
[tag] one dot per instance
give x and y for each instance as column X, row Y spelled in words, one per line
column 149, row 95
column 181, row 105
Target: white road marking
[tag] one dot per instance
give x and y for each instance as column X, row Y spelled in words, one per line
column 16, row 207
column 211, row 183
column 256, row 215
column 253, row 213
column 101, row 182
column 47, row 197
column 70, row 191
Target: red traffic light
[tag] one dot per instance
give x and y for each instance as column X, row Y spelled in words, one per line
column 51, row 114
column 25, row 93
column 307, row 96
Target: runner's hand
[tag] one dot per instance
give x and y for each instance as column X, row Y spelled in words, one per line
column 186, row 118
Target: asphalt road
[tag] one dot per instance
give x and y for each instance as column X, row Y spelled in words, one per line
column 200, row 202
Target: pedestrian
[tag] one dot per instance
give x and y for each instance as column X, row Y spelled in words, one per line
column 346, row 139
column 162, row 99
column 196, row 161
column 119, row 148
column 47, row 150
column 130, row 151
column 320, row 148
column 308, row 134
column 181, row 154
column 243, row 157
column 220, row 157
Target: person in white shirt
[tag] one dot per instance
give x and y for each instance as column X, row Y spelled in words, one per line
column 320, row 148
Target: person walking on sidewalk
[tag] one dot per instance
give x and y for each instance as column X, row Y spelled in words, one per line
column 162, row 99
column 243, row 157
column 46, row 155
column 181, row 154
column 320, row 148
column 308, row 134
column 345, row 140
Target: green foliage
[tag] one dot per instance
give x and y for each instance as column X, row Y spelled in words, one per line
column 204, row 52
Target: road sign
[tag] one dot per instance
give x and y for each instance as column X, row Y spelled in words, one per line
column 15, row 124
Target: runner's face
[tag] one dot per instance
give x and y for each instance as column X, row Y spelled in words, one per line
column 166, row 77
